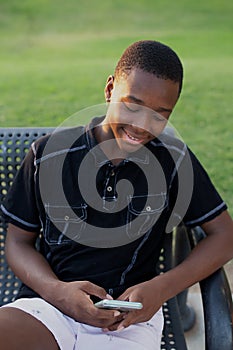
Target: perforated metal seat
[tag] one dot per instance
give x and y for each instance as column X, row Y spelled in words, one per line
column 14, row 144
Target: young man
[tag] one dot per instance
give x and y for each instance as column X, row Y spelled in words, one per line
column 103, row 197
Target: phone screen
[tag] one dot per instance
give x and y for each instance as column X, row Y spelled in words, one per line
column 118, row 305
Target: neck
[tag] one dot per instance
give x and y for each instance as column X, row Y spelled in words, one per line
column 108, row 144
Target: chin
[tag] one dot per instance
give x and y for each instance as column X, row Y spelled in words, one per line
column 127, row 148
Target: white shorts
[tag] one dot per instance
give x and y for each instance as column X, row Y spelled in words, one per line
column 72, row 335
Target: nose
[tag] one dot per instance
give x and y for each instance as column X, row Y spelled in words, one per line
column 142, row 125
column 149, row 123
column 139, row 131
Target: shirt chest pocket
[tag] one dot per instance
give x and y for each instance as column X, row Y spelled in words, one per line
column 64, row 223
column 143, row 213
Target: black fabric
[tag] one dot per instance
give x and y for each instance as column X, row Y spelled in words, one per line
column 150, row 206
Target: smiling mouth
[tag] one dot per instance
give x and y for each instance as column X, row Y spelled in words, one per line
column 132, row 138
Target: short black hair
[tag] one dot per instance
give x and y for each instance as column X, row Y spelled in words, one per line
column 152, row 57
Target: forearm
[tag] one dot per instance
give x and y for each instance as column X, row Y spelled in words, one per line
column 28, row 264
column 208, row 256
column 72, row 298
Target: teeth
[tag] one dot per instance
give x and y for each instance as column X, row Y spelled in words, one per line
column 131, row 137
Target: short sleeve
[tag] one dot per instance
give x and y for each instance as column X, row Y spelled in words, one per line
column 19, row 206
column 206, row 203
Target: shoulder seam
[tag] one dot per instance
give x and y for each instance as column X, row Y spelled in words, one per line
column 57, row 153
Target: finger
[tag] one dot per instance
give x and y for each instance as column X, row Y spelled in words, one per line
column 93, row 289
column 111, row 315
column 100, row 318
column 107, row 317
column 124, row 296
column 128, row 319
column 111, row 328
column 113, row 325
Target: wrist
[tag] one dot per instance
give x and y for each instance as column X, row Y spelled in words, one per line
column 167, row 285
column 53, row 291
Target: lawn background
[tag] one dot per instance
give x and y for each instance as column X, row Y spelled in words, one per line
column 55, row 57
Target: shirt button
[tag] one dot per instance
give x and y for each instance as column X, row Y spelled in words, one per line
column 148, row 208
column 109, row 188
column 66, row 218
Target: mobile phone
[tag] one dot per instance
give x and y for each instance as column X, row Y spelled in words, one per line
column 118, row 305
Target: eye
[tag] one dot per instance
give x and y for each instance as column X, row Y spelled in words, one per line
column 132, row 107
column 159, row 118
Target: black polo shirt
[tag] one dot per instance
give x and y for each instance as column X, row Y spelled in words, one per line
column 105, row 223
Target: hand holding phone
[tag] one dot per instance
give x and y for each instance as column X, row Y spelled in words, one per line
column 118, row 305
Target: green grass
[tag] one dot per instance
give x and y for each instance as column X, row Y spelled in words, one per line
column 55, row 57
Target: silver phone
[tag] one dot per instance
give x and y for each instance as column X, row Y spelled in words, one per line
column 118, row 305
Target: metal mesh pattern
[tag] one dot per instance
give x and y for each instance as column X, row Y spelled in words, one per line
column 14, row 144
column 173, row 335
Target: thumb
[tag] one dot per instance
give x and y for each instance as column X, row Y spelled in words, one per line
column 124, row 296
column 93, row 289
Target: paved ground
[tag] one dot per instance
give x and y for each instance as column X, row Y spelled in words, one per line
column 195, row 337
column 229, row 271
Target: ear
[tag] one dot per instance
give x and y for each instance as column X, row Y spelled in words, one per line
column 108, row 88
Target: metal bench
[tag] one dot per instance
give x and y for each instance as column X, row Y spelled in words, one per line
column 216, row 294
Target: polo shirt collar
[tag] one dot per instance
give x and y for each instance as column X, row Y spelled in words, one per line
column 139, row 156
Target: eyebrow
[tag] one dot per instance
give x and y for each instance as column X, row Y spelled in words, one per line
column 134, row 99
column 138, row 101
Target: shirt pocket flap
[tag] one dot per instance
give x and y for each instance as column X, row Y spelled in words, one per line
column 150, row 204
column 64, row 213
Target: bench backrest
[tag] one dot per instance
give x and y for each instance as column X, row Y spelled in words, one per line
column 14, row 144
